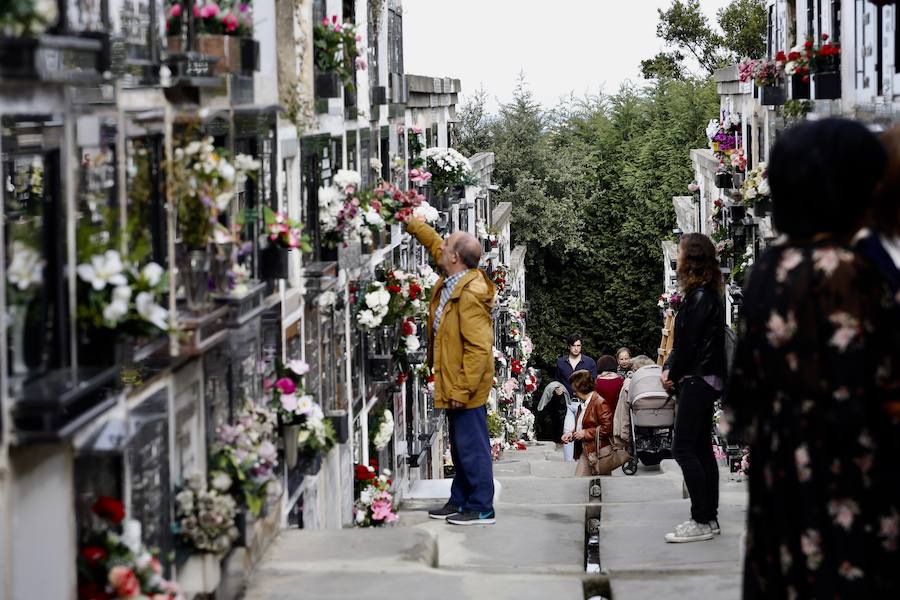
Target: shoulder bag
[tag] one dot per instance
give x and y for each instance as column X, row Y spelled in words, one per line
column 603, row 461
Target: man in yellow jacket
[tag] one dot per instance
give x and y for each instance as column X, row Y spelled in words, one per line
column 460, row 351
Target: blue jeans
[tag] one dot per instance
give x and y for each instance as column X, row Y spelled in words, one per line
column 470, row 449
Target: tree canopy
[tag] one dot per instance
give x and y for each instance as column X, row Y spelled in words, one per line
column 741, row 34
column 591, row 183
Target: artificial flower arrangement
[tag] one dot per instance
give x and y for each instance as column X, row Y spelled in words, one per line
column 523, row 423
column 500, row 361
column 670, row 300
column 740, row 268
column 763, row 72
column 25, row 272
column 401, row 295
column 246, row 453
column 337, row 49
column 284, row 232
column 756, row 185
column 315, row 433
column 116, row 294
column 384, row 431
column 114, row 563
column 347, row 213
column 506, row 393
column 499, row 276
column 515, row 366
column 515, row 333
column 824, row 57
column 738, row 161
column 416, row 149
column 448, row 169
column 797, row 61
column 526, row 348
column 213, row 18
column 205, row 514
column 204, row 183
column 375, row 506
column 530, row 381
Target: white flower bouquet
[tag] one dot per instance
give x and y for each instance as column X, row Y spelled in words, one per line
column 385, row 431
column 116, row 294
column 756, row 186
column 205, row 515
column 448, row 168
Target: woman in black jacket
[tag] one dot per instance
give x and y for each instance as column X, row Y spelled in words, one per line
column 696, row 368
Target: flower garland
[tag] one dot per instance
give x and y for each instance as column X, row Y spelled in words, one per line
column 375, row 506
column 204, row 517
column 246, row 453
column 115, row 563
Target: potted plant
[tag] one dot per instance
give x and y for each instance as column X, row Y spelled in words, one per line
column 796, row 67
column 826, row 61
column 767, row 75
column 220, row 31
column 284, row 235
column 337, row 57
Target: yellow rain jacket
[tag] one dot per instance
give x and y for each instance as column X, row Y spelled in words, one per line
column 461, row 354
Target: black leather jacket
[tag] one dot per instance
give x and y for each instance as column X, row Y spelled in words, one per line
column 699, row 347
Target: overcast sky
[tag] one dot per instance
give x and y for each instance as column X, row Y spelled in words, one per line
column 561, row 45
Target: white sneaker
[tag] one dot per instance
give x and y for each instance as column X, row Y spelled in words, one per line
column 714, row 527
column 690, row 531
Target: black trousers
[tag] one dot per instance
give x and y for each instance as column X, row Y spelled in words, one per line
column 692, row 447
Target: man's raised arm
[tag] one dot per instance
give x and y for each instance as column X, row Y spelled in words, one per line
column 427, row 236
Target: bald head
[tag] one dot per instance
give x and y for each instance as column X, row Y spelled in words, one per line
column 468, row 248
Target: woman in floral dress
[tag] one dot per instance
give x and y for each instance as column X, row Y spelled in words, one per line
column 814, row 378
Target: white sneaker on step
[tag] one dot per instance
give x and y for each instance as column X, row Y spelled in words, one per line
column 690, row 531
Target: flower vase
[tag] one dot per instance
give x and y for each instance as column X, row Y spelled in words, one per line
column 762, row 207
column 194, row 273
column 200, row 574
column 227, row 48
column 827, row 85
column 290, row 445
column 771, row 95
column 17, row 314
column 799, row 88
column 220, row 266
column 273, row 262
column 723, row 180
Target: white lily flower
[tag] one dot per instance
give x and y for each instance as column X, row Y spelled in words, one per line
column 226, row 171
column 150, row 311
column 103, row 268
column 26, row 268
column 152, row 273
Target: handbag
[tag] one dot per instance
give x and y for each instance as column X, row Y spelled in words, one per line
column 603, row 461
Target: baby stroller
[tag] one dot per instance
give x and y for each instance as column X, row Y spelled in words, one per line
column 652, row 413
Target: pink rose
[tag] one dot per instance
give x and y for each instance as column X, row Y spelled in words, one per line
column 176, row 10
column 209, row 11
column 289, row 402
column 230, row 22
column 196, row 12
column 286, row 386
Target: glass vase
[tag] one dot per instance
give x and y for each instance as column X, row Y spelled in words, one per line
column 195, row 279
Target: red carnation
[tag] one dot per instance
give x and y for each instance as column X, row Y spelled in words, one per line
column 394, row 289
column 93, row 554
column 824, row 36
column 793, row 56
column 429, row 379
column 808, row 44
column 363, row 473
column 414, row 290
column 408, row 328
column 109, row 508
column 401, row 378
column 780, row 56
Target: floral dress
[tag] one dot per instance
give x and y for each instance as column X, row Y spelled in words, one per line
column 816, row 367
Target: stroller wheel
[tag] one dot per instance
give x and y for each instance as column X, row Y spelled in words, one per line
column 630, row 467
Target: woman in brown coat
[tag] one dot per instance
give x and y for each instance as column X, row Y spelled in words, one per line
column 593, row 413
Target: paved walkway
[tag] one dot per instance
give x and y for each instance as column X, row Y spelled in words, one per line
column 535, row 550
